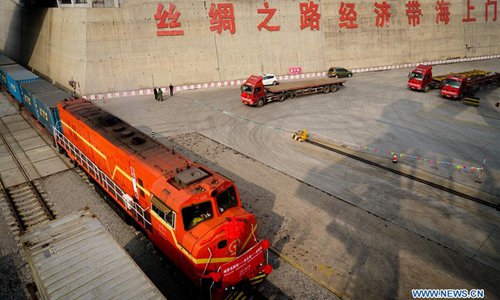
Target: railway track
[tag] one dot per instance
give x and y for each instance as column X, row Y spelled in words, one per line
column 409, row 176
column 25, row 205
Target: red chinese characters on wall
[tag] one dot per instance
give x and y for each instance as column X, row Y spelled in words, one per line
column 489, row 3
column 222, row 17
column 270, row 13
column 309, row 16
column 413, row 12
column 443, row 12
column 348, row 15
column 383, row 14
column 166, row 21
column 470, row 8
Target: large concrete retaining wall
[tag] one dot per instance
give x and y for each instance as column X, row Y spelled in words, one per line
column 109, row 50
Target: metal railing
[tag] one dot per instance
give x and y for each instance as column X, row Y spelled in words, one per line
column 107, row 183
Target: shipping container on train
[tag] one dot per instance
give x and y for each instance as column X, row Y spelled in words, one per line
column 4, row 60
column 75, row 257
column 14, row 76
column 191, row 213
column 8, row 68
column 29, row 89
column 46, row 107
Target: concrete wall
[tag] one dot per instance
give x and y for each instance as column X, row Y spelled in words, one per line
column 118, row 49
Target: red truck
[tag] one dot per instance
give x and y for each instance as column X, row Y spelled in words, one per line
column 254, row 93
column 456, row 86
column 421, row 79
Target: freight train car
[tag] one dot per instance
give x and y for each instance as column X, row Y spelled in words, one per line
column 4, row 60
column 74, row 257
column 46, row 108
column 29, row 89
column 191, row 213
column 13, row 76
column 4, row 69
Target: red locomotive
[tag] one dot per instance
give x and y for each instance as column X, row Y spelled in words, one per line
column 191, row 213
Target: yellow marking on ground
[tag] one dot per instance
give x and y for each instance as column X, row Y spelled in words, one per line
column 325, row 269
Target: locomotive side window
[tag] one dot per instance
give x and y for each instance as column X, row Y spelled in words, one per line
column 196, row 214
column 163, row 211
column 226, row 200
column 139, row 181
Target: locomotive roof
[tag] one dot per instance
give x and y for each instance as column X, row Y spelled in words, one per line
column 180, row 172
column 111, row 127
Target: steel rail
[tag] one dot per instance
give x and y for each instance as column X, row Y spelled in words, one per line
column 37, row 194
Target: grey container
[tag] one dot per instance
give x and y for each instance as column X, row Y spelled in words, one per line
column 29, row 89
column 4, row 60
column 75, row 257
column 46, row 108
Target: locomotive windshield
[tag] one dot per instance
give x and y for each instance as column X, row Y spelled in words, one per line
column 226, row 200
column 196, row 214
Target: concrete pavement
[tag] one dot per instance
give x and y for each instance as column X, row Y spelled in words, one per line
column 373, row 109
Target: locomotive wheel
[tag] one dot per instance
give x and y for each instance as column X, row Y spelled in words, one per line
column 326, row 89
column 334, row 88
column 281, row 97
column 260, row 103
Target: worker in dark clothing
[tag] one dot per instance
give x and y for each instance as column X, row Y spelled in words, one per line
column 160, row 95
column 156, row 93
column 171, row 87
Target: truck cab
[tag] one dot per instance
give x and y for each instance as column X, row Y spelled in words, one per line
column 454, row 87
column 253, row 92
column 420, row 78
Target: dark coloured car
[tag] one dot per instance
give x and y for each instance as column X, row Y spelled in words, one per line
column 339, row 72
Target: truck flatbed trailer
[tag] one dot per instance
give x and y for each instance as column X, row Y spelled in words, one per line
column 254, row 93
column 421, row 78
column 457, row 87
column 297, row 85
column 467, row 74
column 75, row 257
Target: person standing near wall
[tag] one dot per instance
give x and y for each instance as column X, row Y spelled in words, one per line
column 171, row 87
column 160, row 95
column 156, row 93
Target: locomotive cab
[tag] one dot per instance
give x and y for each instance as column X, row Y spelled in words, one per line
column 212, row 229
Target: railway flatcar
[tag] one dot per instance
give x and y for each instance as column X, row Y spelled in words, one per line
column 13, row 76
column 191, row 213
column 29, row 89
column 74, row 257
